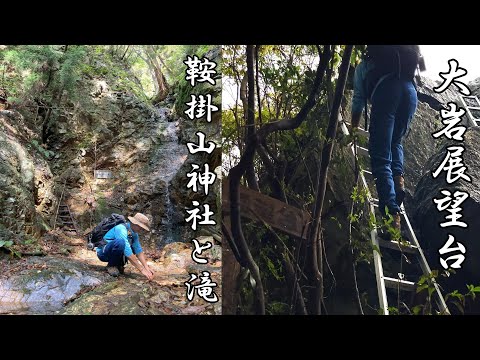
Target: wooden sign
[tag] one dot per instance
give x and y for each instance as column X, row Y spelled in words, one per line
column 103, row 174
column 281, row 216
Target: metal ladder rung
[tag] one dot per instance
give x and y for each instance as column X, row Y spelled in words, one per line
column 362, row 151
column 397, row 283
column 363, row 132
column 473, row 120
column 395, row 245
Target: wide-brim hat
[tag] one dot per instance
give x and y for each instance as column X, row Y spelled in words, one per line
column 140, row 220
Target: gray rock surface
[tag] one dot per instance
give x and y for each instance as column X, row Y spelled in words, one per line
column 79, row 285
column 47, row 285
column 428, row 218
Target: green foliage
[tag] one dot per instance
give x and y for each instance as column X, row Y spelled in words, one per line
column 273, row 266
column 339, row 224
column 277, row 308
column 47, row 71
column 31, row 70
column 182, row 88
column 359, row 195
column 472, row 290
column 393, row 310
column 48, row 154
column 426, row 284
column 174, row 56
column 6, row 244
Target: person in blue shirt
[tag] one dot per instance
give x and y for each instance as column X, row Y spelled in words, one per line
column 123, row 243
column 394, row 101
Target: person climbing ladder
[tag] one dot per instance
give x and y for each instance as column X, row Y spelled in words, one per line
column 386, row 78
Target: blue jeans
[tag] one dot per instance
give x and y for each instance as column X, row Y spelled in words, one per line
column 113, row 253
column 394, row 103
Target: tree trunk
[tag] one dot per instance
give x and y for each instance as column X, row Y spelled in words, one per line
column 231, row 270
column 161, row 87
column 314, row 238
column 259, row 98
column 169, row 71
column 251, row 176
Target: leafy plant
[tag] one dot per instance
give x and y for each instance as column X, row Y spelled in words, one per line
column 6, row 244
column 48, row 154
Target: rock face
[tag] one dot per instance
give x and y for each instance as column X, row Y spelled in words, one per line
column 25, row 179
column 105, row 130
column 47, row 285
column 427, row 95
column 428, row 218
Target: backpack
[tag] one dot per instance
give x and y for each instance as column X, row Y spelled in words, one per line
column 401, row 60
column 95, row 238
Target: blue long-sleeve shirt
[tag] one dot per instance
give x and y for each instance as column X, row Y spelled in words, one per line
column 121, row 232
column 359, row 91
column 359, row 86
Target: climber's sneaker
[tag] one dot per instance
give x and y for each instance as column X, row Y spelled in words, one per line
column 113, row 271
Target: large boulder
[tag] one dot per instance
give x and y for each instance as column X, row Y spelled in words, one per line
column 435, row 100
column 428, row 218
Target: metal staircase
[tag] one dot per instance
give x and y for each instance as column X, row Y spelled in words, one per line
column 405, row 248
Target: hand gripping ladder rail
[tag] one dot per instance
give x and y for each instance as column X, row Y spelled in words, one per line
column 384, row 282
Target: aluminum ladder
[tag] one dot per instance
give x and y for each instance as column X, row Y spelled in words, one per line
column 472, row 105
column 66, row 218
column 413, row 247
